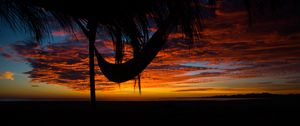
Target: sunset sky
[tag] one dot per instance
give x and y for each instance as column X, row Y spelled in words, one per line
column 229, row 58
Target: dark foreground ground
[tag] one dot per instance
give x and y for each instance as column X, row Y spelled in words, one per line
column 263, row 111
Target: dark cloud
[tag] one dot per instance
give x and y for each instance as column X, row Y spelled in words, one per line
column 73, row 74
column 236, row 45
column 175, row 67
column 294, row 81
column 62, row 63
column 211, row 89
column 266, row 82
column 5, row 54
column 194, row 89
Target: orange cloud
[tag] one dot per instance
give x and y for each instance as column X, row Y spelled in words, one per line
column 7, row 75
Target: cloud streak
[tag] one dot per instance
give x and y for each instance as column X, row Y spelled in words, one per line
column 5, row 54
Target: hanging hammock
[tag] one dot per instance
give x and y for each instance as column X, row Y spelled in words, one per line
column 125, row 71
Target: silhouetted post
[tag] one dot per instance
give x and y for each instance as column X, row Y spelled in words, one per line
column 92, row 26
column 249, row 10
column 212, row 4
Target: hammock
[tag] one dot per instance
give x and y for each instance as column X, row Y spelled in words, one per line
column 125, row 71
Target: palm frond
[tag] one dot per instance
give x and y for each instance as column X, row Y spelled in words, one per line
column 22, row 15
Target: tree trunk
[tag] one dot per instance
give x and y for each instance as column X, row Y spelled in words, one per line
column 212, row 5
column 92, row 37
column 249, row 10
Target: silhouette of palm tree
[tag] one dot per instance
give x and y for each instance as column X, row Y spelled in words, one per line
column 126, row 21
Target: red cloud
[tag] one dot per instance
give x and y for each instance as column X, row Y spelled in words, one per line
column 60, row 33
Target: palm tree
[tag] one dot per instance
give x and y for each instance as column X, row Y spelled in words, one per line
column 126, row 21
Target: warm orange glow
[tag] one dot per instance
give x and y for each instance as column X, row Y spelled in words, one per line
column 7, row 75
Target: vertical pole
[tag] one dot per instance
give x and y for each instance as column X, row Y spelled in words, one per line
column 92, row 26
column 139, row 82
column 249, row 10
